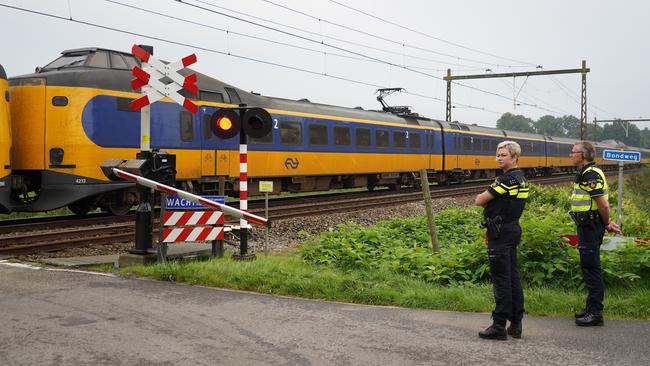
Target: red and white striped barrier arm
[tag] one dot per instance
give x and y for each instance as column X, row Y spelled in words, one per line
column 201, row 233
column 192, row 197
column 189, row 218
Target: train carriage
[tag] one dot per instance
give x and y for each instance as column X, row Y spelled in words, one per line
column 5, row 144
column 72, row 114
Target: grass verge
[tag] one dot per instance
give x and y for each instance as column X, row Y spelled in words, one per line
column 290, row 275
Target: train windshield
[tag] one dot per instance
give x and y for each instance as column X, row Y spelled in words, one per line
column 91, row 58
column 67, row 60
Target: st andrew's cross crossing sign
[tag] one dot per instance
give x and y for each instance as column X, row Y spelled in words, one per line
column 149, row 79
column 619, row 155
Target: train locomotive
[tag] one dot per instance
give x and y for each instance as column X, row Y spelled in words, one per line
column 72, row 114
column 5, row 144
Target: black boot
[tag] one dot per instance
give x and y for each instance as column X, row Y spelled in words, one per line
column 515, row 330
column 580, row 314
column 590, row 320
column 495, row 331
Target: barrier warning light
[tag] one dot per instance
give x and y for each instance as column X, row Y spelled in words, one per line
column 255, row 122
column 225, row 123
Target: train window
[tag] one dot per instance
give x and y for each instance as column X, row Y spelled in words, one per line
column 317, row 134
column 131, row 62
column 234, row 97
column 493, row 145
column 382, row 138
column 290, row 133
column 414, row 140
column 98, row 59
column 341, row 136
column 477, row 144
column 486, row 145
column 456, row 143
column 59, row 101
column 207, row 130
column 186, row 93
column 124, row 104
column 209, row 96
column 67, row 60
column 363, row 136
column 399, row 138
column 117, row 62
column 187, row 126
column 467, row 143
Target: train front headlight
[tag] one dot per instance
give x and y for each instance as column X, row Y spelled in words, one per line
column 56, row 155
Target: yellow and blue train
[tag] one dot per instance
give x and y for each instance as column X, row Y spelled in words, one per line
column 72, row 114
column 5, row 144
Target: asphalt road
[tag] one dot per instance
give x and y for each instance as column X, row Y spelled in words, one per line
column 56, row 317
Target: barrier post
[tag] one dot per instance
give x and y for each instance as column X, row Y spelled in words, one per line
column 243, row 201
column 143, row 229
column 162, row 246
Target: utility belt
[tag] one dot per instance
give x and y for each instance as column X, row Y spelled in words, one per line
column 495, row 224
column 586, row 218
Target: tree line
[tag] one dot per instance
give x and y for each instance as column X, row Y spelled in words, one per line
column 569, row 126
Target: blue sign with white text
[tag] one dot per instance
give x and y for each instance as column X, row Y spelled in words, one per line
column 622, row 155
column 177, row 203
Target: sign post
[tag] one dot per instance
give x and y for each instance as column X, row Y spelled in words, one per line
column 621, row 156
column 266, row 187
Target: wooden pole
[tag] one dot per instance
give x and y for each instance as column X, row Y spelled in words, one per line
column 424, row 182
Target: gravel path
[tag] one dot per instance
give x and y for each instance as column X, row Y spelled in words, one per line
column 287, row 234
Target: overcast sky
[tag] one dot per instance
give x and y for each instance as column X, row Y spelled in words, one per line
column 468, row 36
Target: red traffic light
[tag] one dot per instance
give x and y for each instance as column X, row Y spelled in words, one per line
column 225, row 123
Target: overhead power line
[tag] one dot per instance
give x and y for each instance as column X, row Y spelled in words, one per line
column 230, row 32
column 196, row 47
column 401, row 54
column 333, row 46
column 430, row 36
column 403, row 44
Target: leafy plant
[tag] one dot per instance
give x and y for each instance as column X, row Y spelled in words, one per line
column 403, row 245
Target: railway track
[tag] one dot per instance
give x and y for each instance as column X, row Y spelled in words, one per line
column 52, row 235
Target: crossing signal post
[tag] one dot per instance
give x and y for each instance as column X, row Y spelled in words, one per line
column 152, row 78
column 254, row 122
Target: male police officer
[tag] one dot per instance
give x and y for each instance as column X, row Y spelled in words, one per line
column 504, row 203
column 590, row 211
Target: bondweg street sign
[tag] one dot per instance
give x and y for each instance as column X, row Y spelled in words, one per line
column 618, row 155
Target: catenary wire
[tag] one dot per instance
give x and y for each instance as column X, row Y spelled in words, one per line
column 160, row 39
column 227, row 31
column 403, row 44
column 336, row 47
column 430, row 36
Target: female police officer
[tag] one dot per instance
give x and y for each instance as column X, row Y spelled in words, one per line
column 504, row 202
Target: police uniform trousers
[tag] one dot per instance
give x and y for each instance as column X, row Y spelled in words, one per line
column 589, row 240
column 502, row 256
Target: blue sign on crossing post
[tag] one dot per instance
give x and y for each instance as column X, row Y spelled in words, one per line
column 177, row 203
column 619, row 155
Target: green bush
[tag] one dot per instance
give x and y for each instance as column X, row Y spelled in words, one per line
column 403, row 245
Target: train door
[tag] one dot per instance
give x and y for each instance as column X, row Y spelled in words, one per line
column 28, row 103
column 208, row 144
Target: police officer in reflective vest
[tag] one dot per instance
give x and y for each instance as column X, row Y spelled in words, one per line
column 504, row 203
column 590, row 212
